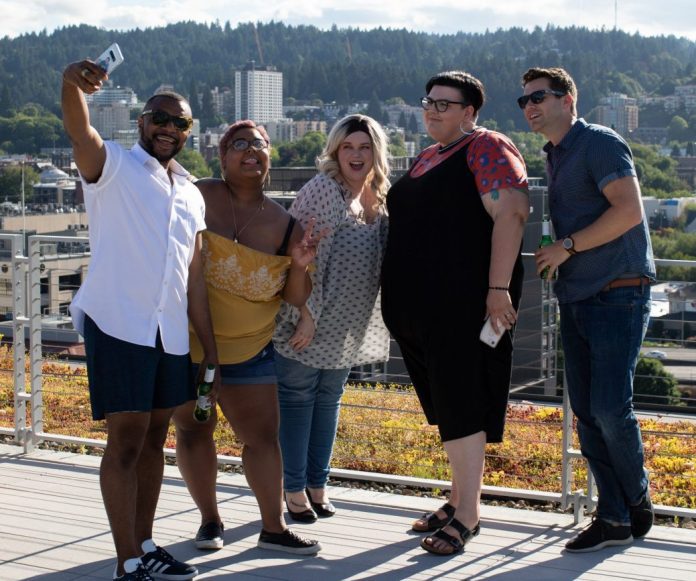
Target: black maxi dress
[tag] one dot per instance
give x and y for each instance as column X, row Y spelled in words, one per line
column 434, row 289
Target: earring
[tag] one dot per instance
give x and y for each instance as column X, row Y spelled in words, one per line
column 461, row 129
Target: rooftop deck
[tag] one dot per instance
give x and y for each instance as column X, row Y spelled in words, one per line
column 53, row 527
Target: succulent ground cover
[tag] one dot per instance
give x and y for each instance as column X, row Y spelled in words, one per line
column 383, row 430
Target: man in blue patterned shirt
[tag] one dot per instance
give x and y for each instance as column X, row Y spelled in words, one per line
column 605, row 266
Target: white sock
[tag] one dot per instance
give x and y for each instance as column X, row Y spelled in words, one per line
column 129, row 566
column 148, row 546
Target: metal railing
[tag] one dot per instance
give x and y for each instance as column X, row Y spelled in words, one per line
column 28, row 429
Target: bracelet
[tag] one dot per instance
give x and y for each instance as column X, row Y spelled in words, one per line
column 501, row 288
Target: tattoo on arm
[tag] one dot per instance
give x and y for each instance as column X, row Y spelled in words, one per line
column 495, row 195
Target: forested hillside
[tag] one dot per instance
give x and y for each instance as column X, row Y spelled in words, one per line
column 346, row 65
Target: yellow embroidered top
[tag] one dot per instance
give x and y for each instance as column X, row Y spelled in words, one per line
column 244, row 288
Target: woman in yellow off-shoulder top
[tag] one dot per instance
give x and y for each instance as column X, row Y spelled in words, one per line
column 255, row 254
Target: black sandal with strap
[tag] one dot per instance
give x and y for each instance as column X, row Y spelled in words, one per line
column 456, row 544
column 434, row 522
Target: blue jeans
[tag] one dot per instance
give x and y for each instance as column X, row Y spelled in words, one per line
column 601, row 338
column 309, row 399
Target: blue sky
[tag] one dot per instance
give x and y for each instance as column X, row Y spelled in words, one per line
column 648, row 17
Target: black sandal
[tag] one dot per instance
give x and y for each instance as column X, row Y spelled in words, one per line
column 456, row 544
column 434, row 522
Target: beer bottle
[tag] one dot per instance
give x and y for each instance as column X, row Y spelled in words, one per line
column 546, row 240
column 204, row 406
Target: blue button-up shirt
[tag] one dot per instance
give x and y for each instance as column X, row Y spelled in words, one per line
column 587, row 159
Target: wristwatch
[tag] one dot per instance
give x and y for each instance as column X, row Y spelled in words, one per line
column 569, row 245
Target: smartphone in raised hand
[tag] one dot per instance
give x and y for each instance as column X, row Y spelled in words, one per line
column 110, row 58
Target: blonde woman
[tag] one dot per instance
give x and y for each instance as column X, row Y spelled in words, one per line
column 341, row 324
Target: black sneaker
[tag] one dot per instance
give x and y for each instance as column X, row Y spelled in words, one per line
column 161, row 565
column 289, row 542
column 210, row 536
column 597, row 535
column 140, row 574
column 642, row 517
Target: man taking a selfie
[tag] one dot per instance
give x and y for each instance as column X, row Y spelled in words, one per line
column 145, row 280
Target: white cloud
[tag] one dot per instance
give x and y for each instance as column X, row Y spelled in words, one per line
column 443, row 16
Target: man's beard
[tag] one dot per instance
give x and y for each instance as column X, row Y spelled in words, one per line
column 148, row 145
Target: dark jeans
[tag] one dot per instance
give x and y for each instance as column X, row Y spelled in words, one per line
column 601, row 338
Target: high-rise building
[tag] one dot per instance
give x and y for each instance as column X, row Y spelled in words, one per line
column 109, row 94
column 109, row 118
column 223, row 102
column 618, row 111
column 258, row 93
column 109, row 109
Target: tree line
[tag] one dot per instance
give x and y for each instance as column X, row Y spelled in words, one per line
column 349, row 65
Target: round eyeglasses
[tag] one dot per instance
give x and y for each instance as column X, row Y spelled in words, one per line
column 241, row 144
column 440, row 105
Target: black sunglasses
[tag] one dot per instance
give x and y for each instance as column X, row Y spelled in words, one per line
column 241, row 144
column 440, row 104
column 162, row 119
column 538, row 97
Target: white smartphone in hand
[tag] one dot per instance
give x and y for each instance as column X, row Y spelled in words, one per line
column 110, row 58
column 488, row 334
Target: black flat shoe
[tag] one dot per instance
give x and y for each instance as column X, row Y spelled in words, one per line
column 324, row 510
column 306, row 515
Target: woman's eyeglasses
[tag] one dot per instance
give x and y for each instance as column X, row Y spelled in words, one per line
column 440, row 104
column 538, row 97
column 162, row 119
column 242, row 144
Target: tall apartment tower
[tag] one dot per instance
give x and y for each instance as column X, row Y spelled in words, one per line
column 109, row 110
column 618, row 111
column 258, row 93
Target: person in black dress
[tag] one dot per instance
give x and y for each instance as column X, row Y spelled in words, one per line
column 453, row 259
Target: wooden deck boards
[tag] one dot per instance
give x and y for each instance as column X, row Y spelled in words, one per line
column 53, row 527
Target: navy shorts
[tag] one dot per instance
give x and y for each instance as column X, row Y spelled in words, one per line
column 258, row 370
column 125, row 377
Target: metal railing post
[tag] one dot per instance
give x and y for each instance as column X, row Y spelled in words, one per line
column 567, row 456
column 35, row 343
column 549, row 360
column 21, row 396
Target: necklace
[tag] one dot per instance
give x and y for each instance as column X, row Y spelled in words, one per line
column 238, row 232
column 465, row 134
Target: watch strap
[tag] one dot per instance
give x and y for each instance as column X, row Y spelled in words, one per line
column 570, row 249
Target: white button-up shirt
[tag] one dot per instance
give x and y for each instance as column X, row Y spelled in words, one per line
column 142, row 232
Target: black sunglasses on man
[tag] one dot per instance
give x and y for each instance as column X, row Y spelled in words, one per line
column 162, row 119
column 538, row 97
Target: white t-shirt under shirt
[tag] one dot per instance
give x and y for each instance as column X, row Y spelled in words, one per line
column 142, row 232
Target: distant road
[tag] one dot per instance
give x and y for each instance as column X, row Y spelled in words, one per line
column 680, row 362
column 674, row 353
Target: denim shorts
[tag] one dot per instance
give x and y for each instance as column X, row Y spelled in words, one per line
column 258, row 370
column 125, row 377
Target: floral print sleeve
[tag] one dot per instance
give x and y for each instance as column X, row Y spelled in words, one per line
column 496, row 163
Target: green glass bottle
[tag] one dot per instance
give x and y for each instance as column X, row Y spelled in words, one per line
column 546, row 240
column 204, row 406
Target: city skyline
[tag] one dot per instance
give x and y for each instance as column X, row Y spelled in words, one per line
column 437, row 16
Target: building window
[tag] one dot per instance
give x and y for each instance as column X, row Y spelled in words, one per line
column 69, row 282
